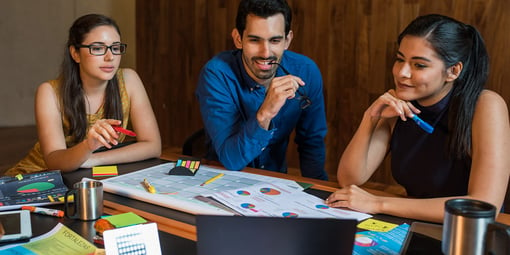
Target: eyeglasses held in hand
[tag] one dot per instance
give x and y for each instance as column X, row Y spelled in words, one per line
column 305, row 100
column 100, row 49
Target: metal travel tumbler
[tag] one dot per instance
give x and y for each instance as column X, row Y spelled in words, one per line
column 88, row 200
column 464, row 226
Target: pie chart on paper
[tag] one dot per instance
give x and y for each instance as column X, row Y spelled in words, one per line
column 269, row 191
column 243, row 193
column 35, row 187
column 321, row 206
column 290, row 215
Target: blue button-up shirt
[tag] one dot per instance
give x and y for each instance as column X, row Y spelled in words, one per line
column 229, row 101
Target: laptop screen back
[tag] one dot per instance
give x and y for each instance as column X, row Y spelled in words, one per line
column 245, row 235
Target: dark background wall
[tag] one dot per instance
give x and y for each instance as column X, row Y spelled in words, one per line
column 352, row 41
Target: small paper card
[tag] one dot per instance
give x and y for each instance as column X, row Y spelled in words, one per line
column 185, row 166
column 132, row 240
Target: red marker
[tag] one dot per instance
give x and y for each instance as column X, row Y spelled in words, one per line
column 124, row 131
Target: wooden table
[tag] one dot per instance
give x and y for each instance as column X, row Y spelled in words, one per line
column 187, row 229
column 177, row 228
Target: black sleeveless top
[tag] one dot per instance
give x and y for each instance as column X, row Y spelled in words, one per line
column 420, row 161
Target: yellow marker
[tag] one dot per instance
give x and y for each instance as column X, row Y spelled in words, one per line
column 212, row 179
column 149, row 186
column 19, row 177
column 69, row 199
column 51, row 198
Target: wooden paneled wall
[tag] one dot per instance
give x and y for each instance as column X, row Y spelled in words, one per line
column 352, row 41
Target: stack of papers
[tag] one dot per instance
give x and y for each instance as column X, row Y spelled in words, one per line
column 104, row 171
column 280, row 200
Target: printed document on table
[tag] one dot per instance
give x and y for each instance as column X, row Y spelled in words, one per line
column 278, row 200
column 59, row 241
column 178, row 192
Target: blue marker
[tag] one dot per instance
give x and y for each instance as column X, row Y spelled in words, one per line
column 424, row 125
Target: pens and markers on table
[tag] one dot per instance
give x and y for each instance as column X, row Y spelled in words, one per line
column 45, row 211
column 212, row 179
column 149, row 186
column 424, row 125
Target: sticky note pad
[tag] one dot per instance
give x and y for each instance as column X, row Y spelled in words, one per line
column 104, row 171
column 125, row 219
column 185, row 166
column 376, row 225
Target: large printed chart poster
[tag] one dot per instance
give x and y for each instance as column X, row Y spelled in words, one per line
column 179, row 192
column 239, row 193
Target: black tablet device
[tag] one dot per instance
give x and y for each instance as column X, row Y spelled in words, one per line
column 423, row 238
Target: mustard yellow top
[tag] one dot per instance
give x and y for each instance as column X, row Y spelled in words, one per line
column 34, row 161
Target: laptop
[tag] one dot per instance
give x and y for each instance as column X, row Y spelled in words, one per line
column 233, row 235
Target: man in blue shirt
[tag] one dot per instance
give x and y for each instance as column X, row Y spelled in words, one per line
column 252, row 98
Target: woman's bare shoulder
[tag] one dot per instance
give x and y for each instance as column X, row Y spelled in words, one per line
column 490, row 99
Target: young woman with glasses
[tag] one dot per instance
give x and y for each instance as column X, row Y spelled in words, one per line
column 79, row 113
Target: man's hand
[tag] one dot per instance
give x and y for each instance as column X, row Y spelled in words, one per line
column 280, row 89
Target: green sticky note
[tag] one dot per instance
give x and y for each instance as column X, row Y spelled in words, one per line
column 125, row 219
column 304, row 185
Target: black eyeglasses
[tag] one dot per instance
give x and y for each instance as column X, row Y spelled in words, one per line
column 305, row 100
column 100, row 49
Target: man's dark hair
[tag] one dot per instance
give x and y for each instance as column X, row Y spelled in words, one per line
column 264, row 9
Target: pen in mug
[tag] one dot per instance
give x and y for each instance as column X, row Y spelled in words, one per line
column 45, row 211
column 212, row 179
column 424, row 125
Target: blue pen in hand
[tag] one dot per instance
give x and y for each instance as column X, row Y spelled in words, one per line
column 424, row 125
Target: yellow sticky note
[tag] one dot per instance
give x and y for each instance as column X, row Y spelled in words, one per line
column 377, row 225
column 103, row 171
